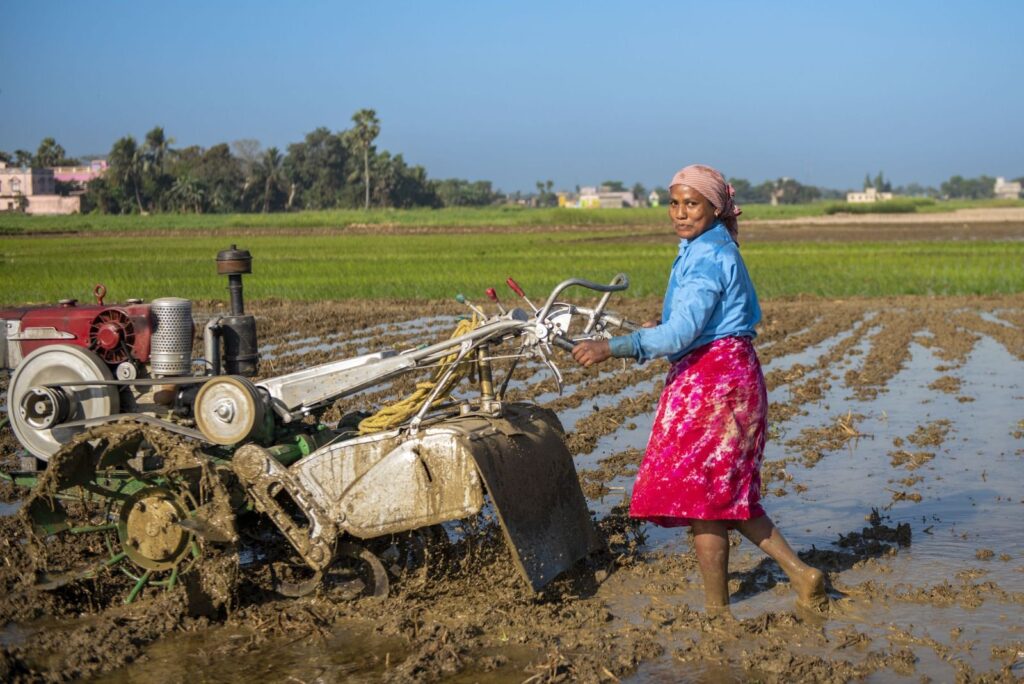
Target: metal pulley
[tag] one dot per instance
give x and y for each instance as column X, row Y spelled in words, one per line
column 52, row 385
column 229, row 410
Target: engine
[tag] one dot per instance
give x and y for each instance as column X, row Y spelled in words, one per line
column 75, row 363
column 121, row 336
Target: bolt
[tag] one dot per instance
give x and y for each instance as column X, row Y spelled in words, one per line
column 225, row 411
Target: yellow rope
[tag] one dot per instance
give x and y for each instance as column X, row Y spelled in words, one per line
column 394, row 415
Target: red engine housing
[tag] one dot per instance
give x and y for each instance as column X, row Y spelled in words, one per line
column 114, row 333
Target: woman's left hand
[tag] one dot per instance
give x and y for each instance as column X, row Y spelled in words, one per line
column 589, row 352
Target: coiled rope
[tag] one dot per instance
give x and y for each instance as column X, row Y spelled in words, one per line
column 395, row 414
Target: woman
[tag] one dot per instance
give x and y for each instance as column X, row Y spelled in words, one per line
column 703, row 460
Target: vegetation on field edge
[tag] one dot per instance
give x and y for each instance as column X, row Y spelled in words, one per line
column 468, row 217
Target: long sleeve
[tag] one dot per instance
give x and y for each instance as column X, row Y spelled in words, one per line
column 709, row 296
column 692, row 301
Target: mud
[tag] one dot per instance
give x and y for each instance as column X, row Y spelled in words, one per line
column 893, row 463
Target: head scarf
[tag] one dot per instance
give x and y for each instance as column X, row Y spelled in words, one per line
column 712, row 185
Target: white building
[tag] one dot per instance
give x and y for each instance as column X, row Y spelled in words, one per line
column 869, row 195
column 1004, row 190
column 597, row 198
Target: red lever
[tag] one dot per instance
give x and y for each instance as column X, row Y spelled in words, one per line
column 492, row 295
column 515, row 287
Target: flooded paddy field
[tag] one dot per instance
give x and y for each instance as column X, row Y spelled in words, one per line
column 894, row 463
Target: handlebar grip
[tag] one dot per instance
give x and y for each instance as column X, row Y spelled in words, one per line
column 563, row 342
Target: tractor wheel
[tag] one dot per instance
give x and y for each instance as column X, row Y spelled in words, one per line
column 148, row 523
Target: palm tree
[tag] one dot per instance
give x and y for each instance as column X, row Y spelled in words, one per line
column 367, row 130
column 126, row 164
column 49, row 154
column 188, row 194
column 270, row 168
column 157, row 147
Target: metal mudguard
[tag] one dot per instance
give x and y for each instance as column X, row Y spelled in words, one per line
column 533, row 485
column 393, row 482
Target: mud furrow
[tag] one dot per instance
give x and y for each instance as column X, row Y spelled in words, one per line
column 832, row 323
column 1011, row 338
column 890, row 350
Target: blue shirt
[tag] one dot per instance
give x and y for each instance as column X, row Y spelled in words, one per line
column 709, row 296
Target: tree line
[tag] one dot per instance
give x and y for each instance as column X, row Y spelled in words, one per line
column 345, row 170
column 326, row 170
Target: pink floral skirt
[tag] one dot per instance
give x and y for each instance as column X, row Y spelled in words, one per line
column 703, row 460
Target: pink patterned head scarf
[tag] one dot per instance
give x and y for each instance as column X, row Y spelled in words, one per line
column 713, row 186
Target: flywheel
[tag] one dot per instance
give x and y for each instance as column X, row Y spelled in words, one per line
column 36, row 411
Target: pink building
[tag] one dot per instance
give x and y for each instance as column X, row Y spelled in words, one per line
column 80, row 174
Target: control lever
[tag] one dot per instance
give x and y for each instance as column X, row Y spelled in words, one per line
column 519, row 291
column 461, row 299
column 493, row 296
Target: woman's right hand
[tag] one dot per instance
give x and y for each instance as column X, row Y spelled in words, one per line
column 589, row 352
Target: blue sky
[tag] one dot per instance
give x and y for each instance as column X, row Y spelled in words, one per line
column 516, row 92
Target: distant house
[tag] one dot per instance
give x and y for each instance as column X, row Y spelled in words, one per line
column 80, row 175
column 34, row 192
column 653, row 198
column 869, row 195
column 1004, row 190
column 600, row 198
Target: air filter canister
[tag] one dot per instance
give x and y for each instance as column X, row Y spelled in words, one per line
column 171, row 347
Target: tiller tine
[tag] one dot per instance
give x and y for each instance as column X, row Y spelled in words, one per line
column 536, row 494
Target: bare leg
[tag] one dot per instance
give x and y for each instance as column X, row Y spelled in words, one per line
column 711, row 541
column 808, row 582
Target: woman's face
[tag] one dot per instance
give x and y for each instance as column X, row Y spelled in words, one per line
column 690, row 211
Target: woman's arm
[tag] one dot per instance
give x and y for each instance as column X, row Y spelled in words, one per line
column 692, row 303
column 595, row 351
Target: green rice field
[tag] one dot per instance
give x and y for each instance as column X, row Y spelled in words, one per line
column 437, row 266
column 500, row 217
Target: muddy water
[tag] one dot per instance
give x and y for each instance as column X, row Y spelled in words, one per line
column 971, row 504
column 350, row 652
column 909, row 408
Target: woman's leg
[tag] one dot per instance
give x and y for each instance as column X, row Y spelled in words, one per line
column 808, row 582
column 711, row 541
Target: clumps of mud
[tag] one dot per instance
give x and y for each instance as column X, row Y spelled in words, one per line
column 595, row 482
column 468, row 615
column 931, row 434
column 876, row 539
column 814, row 442
column 947, row 383
column 860, row 548
column 84, row 647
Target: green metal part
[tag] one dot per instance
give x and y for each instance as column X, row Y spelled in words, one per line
column 300, row 445
column 24, row 480
column 48, row 516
